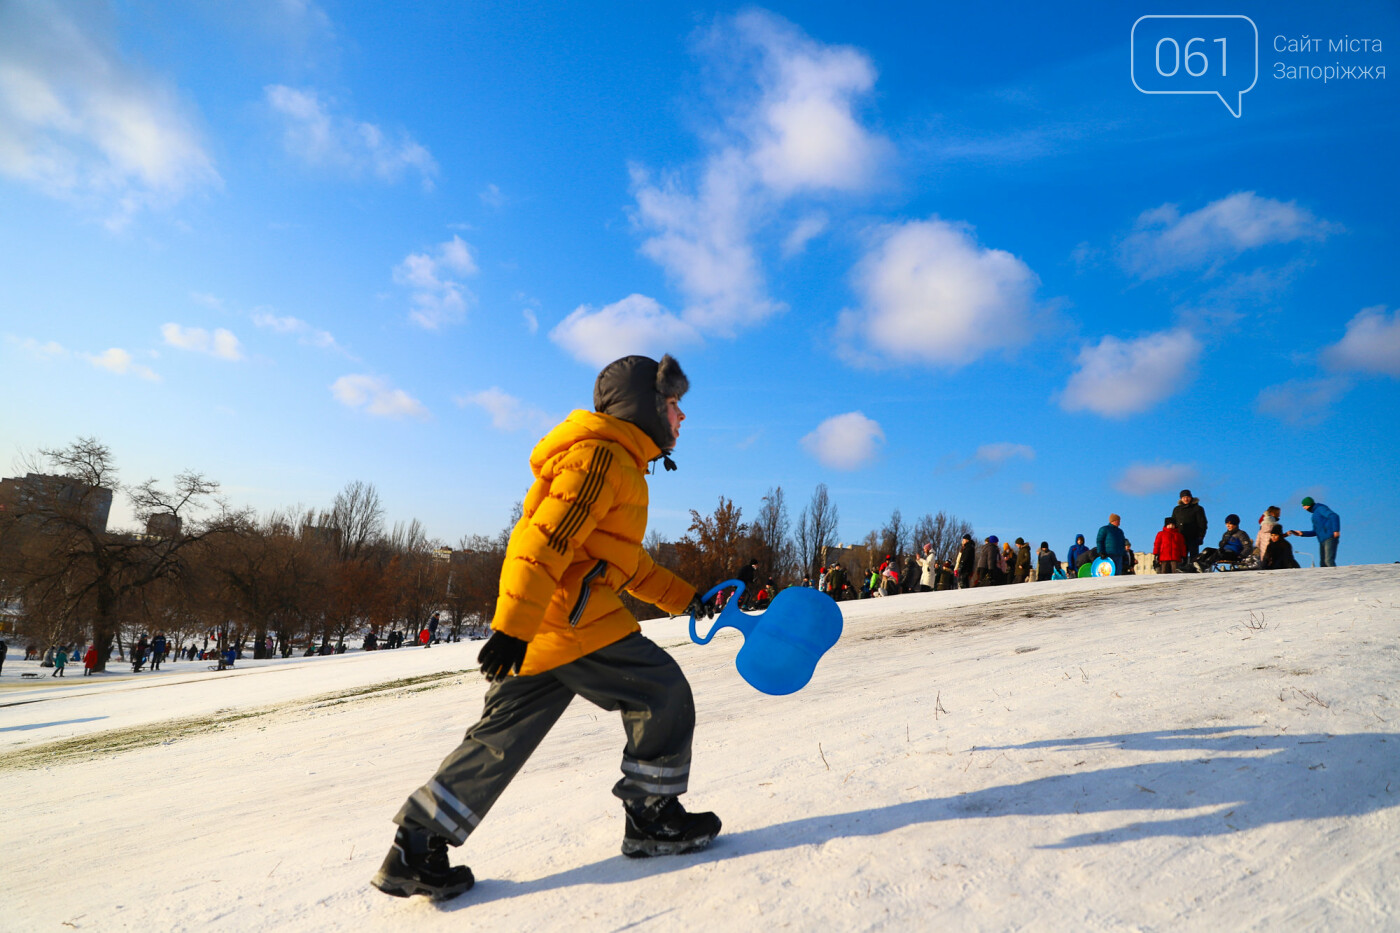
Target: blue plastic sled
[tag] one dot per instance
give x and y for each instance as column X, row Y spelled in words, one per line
column 783, row 644
column 1103, row 567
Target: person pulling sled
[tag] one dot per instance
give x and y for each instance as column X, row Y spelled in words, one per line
column 561, row 630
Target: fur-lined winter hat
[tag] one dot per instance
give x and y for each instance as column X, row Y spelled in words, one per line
column 635, row 389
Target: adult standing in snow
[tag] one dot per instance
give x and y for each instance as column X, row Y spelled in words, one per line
column 1023, row 560
column 157, row 650
column 1191, row 522
column 1111, row 543
column 928, row 564
column 1326, row 528
column 4, row 650
column 1046, row 562
column 90, row 660
column 561, row 629
column 966, row 562
column 433, row 627
column 987, row 560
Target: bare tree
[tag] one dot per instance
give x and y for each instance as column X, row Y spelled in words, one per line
column 358, row 516
column 894, row 537
column 816, row 529
column 774, row 549
column 67, row 562
column 943, row 531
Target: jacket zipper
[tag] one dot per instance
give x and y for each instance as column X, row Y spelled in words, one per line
column 577, row 612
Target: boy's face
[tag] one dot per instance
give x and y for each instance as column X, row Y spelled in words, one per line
column 674, row 416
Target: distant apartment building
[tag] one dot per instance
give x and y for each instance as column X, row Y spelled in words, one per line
column 163, row 525
column 37, row 493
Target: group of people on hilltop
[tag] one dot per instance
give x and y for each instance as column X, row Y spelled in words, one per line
column 1177, row 546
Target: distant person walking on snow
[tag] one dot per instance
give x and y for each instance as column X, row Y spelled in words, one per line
column 561, row 630
column 1326, row 528
column 60, row 659
column 90, row 660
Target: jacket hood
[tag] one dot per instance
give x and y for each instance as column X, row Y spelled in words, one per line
column 591, row 425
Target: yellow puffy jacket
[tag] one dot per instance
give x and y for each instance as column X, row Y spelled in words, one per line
column 579, row 542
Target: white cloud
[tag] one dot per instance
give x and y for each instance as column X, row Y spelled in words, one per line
column 221, row 343
column 323, row 139
column 1371, row 344
column 702, row 240
column 845, row 442
column 48, row 350
column 931, row 294
column 787, row 125
column 507, row 412
column 1117, row 378
column 376, row 396
column 116, row 360
column 1166, row 241
column 803, row 130
column 1302, row 402
column 1000, row 453
column 636, row 324
column 532, row 323
column 1145, row 479
column 295, row 326
column 491, row 196
column 808, row 228
column 78, row 121
column 438, row 299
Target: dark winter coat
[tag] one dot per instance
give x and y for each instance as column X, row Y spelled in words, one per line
column 967, row 558
column 1236, row 543
column 1046, row 563
column 988, row 557
column 1112, row 543
column 1279, row 556
column 1191, row 521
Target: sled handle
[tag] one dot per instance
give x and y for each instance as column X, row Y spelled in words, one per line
column 729, row 616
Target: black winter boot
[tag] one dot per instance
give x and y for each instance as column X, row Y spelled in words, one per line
column 661, row 826
column 417, row 864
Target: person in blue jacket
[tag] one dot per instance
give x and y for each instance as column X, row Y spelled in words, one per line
column 1112, row 543
column 1076, row 553
column 1326, row 528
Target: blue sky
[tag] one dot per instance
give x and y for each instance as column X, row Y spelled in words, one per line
column 934, row 256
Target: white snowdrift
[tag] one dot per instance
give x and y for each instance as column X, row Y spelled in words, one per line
column 1213, row 752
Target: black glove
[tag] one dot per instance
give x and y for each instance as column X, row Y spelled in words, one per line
column 501, row 656
column 699, row 608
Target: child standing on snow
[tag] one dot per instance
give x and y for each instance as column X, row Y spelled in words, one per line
column 560, row 629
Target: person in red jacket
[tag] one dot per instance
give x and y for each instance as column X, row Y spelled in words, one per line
column 90, row 660
column 1169, row 548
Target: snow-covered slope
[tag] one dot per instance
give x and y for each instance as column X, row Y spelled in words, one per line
column 1215, row 752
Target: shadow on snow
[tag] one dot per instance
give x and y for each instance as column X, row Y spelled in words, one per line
column 1241, row 780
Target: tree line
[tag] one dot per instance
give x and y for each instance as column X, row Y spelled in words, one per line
column 299, row 579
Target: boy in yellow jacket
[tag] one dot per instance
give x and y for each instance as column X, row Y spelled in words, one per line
column 560, row 630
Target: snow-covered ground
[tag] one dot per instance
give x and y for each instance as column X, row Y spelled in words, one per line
column 1206, row 753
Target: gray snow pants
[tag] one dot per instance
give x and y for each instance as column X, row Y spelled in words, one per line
column 632, row 675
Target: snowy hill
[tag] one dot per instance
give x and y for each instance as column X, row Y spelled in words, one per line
column 1188, row 752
